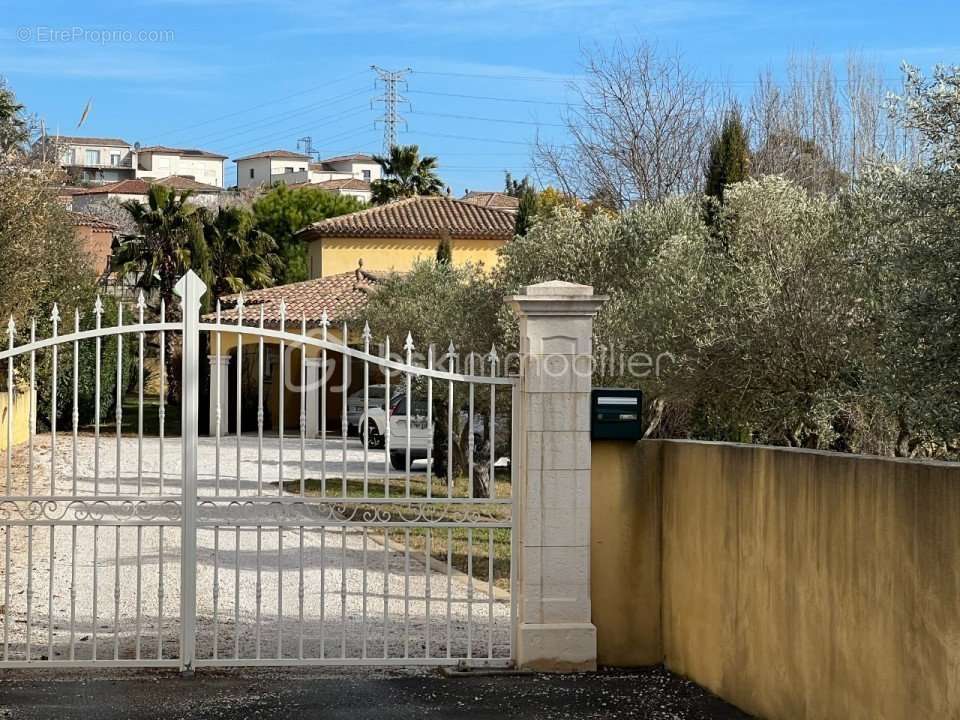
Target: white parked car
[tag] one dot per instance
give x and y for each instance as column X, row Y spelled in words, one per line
column 420, row 430
column 376, row 396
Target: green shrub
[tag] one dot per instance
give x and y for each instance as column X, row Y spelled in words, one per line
column 86, row 386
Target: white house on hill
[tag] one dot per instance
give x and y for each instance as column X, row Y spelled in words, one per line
column 112, row 160
column 343, row 174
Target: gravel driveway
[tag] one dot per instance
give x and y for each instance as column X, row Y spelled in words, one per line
column 358, row 599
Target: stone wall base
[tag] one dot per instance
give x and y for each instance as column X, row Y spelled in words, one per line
column 559, row 647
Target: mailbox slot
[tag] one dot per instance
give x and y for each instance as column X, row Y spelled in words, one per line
column 616, row 414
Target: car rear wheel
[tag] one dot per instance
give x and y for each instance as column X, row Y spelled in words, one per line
column 374, row 439
column 398, row 460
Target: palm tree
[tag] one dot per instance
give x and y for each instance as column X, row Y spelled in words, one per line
column 241, row 255
column 169, row 242
column 405, row 174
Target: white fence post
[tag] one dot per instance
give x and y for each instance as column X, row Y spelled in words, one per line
column 553, row 498
column 190, row 288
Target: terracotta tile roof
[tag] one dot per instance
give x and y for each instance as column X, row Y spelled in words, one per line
column 418, row 217
column 92, row 221
column 67, row 190
column 142, row 187
column 497, row 200
column 274, row 154
column 355, row 157
column 342, row 295
column 76, row 140
column 184, row 183
column 344, row 184
column 188, row 152
column 124, row 187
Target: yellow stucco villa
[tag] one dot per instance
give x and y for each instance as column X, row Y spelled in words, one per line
column 348, row 255
column 393, row 237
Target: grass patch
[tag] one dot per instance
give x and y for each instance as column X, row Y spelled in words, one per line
column 151, row 418
column 468, row 551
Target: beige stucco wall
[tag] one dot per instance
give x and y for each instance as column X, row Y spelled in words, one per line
column 331, row 256
column 795, row 584
column 625, row 553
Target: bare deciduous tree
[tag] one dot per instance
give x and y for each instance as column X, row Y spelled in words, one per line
column 820, row 130
column 640, row 131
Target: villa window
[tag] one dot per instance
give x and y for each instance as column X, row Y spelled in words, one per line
column 252, row 173
column 92, row 157
column 115, row 159
column 366, row 175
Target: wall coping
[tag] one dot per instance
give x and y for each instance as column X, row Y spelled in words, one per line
column 807, row 451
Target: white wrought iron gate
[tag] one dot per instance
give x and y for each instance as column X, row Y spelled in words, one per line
column 129, row 545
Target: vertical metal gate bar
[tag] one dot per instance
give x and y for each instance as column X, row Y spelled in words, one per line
column 239, row 398
column 75, row 418
column 343, row 416
column 98, row 315
column 281, row 420
column 191, row 289
column 162, row 412
column 324, row 324
column 55, row 318
column 160, row 583
column 141, row 304
column 33, row 409
column 118, row 392
column 160, row 592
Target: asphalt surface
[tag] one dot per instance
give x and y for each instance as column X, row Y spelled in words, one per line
column 356, row 694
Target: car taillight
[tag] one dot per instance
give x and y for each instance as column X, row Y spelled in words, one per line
column 394, row 408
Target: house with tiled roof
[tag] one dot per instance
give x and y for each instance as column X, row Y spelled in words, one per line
column 339, row 298
column 293, row 168
column 159, row 161
column 496, row 200
column 93, row 159
column 394, row 236
column 107, row 160
column 201, row 193
column 265, row 168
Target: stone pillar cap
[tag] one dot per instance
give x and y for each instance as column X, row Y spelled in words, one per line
column 557, row 297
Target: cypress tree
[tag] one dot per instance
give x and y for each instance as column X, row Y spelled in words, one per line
column 729, row 157
column 527, row 210
column 445, row 249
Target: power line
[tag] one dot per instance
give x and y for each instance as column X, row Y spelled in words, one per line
column 296, row 130
column 390, row 79
column 487, row 119
column 475, row 139
column 177, row 131
column 230, row 131
column 489, row 97
column 537, row 78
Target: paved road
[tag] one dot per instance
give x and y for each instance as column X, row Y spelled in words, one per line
column 286, row 694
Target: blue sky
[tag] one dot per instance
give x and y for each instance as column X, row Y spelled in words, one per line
column 239, row 76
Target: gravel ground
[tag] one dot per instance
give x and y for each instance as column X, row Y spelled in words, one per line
column 355, row 694
column 358, row 598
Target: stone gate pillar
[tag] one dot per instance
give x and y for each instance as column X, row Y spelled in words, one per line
column 554, row 629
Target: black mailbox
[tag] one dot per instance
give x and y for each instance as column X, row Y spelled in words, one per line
column 615, row 414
